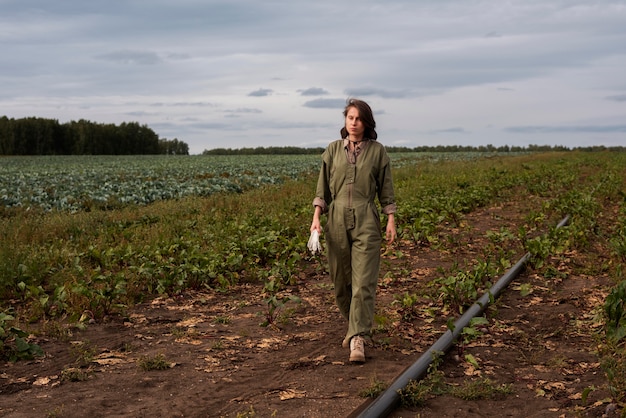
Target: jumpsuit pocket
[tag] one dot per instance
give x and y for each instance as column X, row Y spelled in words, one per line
column 348, row 218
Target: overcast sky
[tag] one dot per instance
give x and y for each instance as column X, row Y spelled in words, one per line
column 248, row 73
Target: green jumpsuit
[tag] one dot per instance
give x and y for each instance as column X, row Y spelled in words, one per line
column 346, row 190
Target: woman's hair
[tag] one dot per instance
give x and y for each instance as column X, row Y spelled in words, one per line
column 366, row 116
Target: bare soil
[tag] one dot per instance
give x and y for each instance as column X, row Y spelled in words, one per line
column 222, row 363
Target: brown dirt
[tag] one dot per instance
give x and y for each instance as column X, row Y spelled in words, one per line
column 222, row 363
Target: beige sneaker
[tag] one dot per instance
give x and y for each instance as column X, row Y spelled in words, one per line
column 357, row 349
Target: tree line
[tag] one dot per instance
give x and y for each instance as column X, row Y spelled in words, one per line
column 40, row 136
column 434, row 148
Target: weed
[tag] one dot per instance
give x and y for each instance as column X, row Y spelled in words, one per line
column 57, row 412
column 481, row 388
column 416, row 393
column 83, row 352
column 557, row 362
column 407, row 305
column 220, row 319
column 275, row 302
column 156, row 362
column 375, row 388
column 75, row 374
column 56, row 329
column 251, row 413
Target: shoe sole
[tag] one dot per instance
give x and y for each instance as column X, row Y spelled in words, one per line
column 357, row 358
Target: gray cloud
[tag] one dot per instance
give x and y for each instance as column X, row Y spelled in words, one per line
column 455, row 130
column 326, row 103
column 244, row 110
column 131, row 57
column 237, row 113
column 567, row 129
column 313, row 91
column 371, row 91
column 261, row 92
column 617, row 98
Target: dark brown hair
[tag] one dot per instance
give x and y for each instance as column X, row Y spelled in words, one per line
column 366, row 116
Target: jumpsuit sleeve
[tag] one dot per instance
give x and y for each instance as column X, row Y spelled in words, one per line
column 323, row 196
column 386, row 195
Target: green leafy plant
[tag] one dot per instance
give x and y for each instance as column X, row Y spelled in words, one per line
column 13, row 341
column 615, row 312
column 407, row 305
column 275, row 303
column 461, row 288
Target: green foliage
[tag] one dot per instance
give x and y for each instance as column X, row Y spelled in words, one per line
column 474, row 329
column 618, row 238
column 14, row 343
column 375, row 388
column 460, row 289
column 156, row 362
column 417, row 392
column 615, row 312
column 274, row 301
column 613, row 362
column 76, row 183
column 78, row 237
column 75, row 374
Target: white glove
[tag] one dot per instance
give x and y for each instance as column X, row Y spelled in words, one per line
column 314, row 242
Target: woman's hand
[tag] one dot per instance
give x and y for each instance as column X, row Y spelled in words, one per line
column 390, row 231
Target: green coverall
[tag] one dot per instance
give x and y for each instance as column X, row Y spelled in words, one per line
column 346, row 191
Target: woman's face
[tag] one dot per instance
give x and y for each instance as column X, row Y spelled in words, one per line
column 354, row 125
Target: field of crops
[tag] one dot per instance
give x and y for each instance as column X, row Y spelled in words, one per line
column 73, row 183
column 79, row 182
column 88, row 238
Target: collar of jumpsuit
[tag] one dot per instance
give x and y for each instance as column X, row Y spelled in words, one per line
column 357, row 147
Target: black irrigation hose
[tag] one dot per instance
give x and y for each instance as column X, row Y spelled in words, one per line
column 388, row 400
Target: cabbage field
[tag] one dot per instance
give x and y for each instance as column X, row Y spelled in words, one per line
column 80, row 182
column 73, row 183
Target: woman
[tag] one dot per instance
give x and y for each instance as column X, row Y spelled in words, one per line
column 355, row 170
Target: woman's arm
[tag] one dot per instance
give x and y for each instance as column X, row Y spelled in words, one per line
column 315, row 224
column 390, row 231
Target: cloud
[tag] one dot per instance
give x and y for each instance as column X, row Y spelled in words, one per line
column 236, row 113
column 326, row 103
column 371, row 91
column 244, row 110
column 567, row 129
column 313, row 91
column 448, row 131
column 131, row 57
column 261, row 92
column 617, row 98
